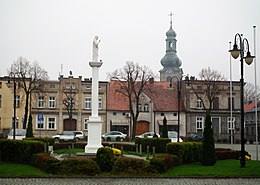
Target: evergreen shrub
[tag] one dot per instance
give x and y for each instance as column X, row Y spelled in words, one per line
column 72, row 166
column 209, row 157
column 130, row 166
column 105, row 159
column 19, row 151
column 158, row 143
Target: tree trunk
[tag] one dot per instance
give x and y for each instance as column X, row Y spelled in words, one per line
column 26, row 110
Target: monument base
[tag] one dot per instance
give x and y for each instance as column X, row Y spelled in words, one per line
column 94, row 135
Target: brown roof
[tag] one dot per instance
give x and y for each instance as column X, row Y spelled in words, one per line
column 250, row 106
column 163, row 98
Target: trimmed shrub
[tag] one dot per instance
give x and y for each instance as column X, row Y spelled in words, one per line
column 78, row 167
column 105, row 159
column 158, row 143
column 19, row 151
column 46, row 163
column 187, row 152
column 169, row 160
column 223, row 154
column 158, row 164
column 165, row 128
column 49, row 141
column 130, row 166
column 58, row 146
column 209, row 157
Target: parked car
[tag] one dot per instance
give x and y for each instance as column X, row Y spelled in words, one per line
column 197, row 137
column 148, row 135
column 113, row 136
column 69, row 136
column 19, row 134
column 173, row 135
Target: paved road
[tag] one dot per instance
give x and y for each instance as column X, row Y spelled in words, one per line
column 128, row 181
column 251, row 148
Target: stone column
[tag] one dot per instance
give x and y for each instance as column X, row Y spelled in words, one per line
column 94, row 123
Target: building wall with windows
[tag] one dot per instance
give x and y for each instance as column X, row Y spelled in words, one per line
column 220, row 112
column 156, row 102
column 7, row 105
column 51, row 109
column 252, row 114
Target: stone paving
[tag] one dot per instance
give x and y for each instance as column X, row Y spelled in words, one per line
column 129, row 181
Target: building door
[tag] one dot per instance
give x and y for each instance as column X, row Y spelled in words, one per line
column 141, row 127
column 69, row 125
column 216, row 127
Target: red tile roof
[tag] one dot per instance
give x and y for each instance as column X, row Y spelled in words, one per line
column 250, row 106
column 163, row 98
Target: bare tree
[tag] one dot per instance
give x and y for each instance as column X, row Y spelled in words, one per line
column 132, row 80
column 29, row 77
column 249, row 93
column 69, row 101
column 211, row 82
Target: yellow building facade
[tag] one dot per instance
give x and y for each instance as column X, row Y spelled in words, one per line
column 7, row 105
column 51, row 108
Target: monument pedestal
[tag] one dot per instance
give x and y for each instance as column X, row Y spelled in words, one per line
column 94, row 135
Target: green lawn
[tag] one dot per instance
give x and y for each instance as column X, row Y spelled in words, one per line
column 20, row 170
column 223, row 168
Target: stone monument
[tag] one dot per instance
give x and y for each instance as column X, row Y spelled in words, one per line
column 94, row 123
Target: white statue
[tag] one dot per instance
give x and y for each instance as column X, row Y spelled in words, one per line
column 95, row 49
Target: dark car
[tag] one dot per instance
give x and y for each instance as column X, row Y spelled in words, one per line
column 197, row 137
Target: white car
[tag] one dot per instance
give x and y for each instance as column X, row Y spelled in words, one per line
column 19, row 134
column 147, row 135
column 113, row 136
column 69, row 136
column 173, row 135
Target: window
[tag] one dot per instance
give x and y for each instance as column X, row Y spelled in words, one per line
column 17, row 101
column 40, row 123
column 216, row 103
column 231, row 124
column 146, row 108
column 86, row 123
column 52, row 86
column 67, row 85
column 99, row 103
column 87, row 103
column 51, row 123
column 40, row 102
column 199, row 124
column 73, row 86
column 140, row 107
column 0, row 100
column 175, row 114
column 199, row 103
column 114, row 113
column 0, row 85
column 51, row 102
column 162, row 114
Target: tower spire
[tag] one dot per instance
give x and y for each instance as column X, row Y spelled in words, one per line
column 171, row 14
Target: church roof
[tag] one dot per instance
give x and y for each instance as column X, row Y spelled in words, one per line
column 163, row 98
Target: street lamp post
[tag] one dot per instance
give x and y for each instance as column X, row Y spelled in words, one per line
column 240, row 49
column 12, row 75
column 179, row 99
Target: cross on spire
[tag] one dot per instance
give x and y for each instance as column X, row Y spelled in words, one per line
column 171, row 14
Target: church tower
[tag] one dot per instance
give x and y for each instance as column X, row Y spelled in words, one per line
column 170, row 62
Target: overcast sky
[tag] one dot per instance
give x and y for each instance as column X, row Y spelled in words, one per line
column 60, row 32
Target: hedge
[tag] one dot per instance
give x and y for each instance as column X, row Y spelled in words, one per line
column 158, row 143
column 187, row 152
column 19, row 151
column 131, row 166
